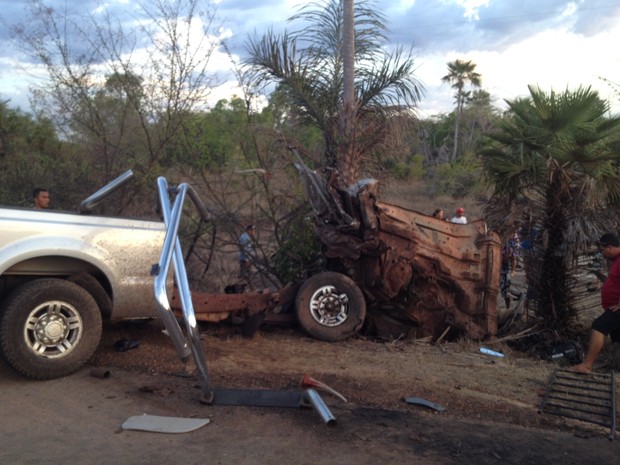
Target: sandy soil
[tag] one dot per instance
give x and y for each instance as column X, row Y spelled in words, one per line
column 491, row 405
column 481, row 394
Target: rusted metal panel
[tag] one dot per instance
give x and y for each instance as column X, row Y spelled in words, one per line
column 217, row 307
column 408, row 264
column 455, row 269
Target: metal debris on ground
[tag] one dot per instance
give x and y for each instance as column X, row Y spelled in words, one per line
column 589, row 398
column 308, row 381
column 159, row 424
column 123, row 345
column 425, row 403
column 487, row 351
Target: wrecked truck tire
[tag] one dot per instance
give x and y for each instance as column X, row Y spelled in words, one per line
column 49, row 328
column 330, row 307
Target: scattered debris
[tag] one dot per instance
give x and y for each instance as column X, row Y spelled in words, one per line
column 569, row 351
column 274, row 398
column 488, row 351
column 308, row 381
column 424, row 403
column 589, row 398
column 123, row 345
column 158, row 424
column 157, row 390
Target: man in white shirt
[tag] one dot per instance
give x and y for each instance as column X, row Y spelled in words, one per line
column 459, row 216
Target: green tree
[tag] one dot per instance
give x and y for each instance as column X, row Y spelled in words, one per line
column 554, row 162
column 308, row 66
column 122, row 90
column 460, row 74
column 32, row 155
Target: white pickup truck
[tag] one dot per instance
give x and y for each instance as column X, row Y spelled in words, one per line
column 62, row 273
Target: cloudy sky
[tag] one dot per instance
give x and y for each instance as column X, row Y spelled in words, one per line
column 555, row 44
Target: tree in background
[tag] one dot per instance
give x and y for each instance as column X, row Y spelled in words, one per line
column 554, row 163
column 307, row 66
column 123, row 91
column 460, row 74
column 32, row 155
column 431, row 142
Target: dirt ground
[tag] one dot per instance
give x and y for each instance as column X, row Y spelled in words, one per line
column 491, row 405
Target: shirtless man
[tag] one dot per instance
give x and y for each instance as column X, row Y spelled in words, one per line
column 609, row 322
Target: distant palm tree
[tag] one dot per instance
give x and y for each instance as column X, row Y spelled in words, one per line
column 308, row 66
column 555, row 160
column 460, row 74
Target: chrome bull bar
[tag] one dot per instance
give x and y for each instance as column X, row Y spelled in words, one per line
column 192, row 344
column 171, row 251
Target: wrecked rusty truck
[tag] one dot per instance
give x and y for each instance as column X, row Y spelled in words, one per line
column 391, row 265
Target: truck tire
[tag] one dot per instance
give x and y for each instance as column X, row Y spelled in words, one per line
column 330, row 307
column 49, row 328
column 94, row 288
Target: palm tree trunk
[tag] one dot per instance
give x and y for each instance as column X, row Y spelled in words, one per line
column 553, row 293
column 348, row 54
column 457, row 121
column 348, row 157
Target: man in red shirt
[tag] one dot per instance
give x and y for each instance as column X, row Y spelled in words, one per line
column 609, row 322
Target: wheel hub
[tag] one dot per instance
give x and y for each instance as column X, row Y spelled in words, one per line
column 51, row 329
column 329, row 307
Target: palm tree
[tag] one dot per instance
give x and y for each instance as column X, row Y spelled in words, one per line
column 309, row 66
column 460, row 73
column 556, row 160
column 349, row 105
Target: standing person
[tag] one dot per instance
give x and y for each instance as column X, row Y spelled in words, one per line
column 510, row 252
column 514, row 243
column 246, row 249
column 609, row 322
column 41, row 198
column 459, row 216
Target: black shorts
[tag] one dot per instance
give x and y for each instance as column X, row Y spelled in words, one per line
column 608, row 324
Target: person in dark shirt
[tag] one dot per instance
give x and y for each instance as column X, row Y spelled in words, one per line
column 607, row 324
column 510, row 255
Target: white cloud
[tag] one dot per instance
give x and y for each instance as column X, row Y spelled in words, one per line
column 472, row 6
column 555, row 44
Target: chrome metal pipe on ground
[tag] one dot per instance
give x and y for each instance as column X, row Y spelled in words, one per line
column 312, row 398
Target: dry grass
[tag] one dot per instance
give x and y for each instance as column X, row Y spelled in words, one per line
column 414, row 195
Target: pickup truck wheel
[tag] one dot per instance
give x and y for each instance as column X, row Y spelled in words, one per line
column 49, row 328
column 330, row 307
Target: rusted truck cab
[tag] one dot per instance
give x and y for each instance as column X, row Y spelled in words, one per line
column 436, row 276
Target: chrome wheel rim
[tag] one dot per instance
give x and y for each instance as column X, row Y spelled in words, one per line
column 329, row 307
column 53, row 329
